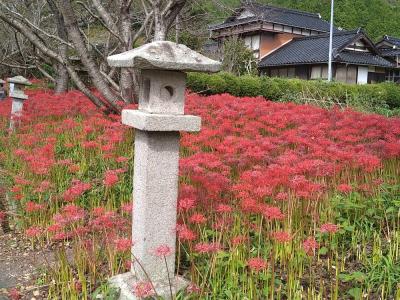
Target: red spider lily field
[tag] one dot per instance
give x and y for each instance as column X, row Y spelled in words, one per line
column 276, row 200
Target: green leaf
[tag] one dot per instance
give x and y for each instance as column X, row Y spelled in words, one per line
column 345, row 277
column 359, row 276
column 323, row 251
column 356, row 293
column 390, row 210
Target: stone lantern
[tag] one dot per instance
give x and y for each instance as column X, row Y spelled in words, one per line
column 18, row 97
column 157, row 124
column 2, row 89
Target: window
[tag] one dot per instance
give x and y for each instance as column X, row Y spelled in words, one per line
column 393, row 76
column 253, row 43
column 283, row 72
column 316, row 72
column 291, row 72
column 287, row 29
column 341, row 73
column 319, row 72
column 296, row 30
column 274, row 72
column 346, row 74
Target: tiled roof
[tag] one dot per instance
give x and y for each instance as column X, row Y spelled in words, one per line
column 390, row 52
column 278, row 15
column 392, row 40
column 315, row 49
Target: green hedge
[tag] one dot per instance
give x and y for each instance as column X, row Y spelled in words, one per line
column 381, row 98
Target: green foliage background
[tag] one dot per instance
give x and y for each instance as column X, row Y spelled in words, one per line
column 377, row 17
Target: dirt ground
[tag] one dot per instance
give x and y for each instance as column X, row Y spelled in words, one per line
column 21, row 267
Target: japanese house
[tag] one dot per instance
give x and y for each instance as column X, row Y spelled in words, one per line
column 390, row 49
column 355, row 59
column 292, row 43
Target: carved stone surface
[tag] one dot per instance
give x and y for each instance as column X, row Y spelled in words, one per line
column 18, row 96
column 162, row 92
column 160, row 122
column 163, row 55
column 126, row 282
column 19, row 80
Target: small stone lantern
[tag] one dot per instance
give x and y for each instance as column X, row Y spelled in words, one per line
column 18, row 97
column 2, row 90
column 158, row 121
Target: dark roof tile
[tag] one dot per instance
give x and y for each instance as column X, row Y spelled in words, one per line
column 393, row 40
column 278, row 15
column 315, row 49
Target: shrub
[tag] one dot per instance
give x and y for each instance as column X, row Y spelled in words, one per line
column 383, row 97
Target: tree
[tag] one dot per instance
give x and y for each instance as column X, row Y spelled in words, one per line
column 125, row 22
column 237, row 58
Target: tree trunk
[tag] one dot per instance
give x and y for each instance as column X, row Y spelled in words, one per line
column 75, row 36
column 37, row 42
column 62, row 78
column 160, row 29
column 126, row 80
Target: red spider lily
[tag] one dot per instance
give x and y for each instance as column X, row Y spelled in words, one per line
column 69, row 214
column 76, row 190
column 90, row 145
column 281, row 236
column 197, row 218
column 310, row 245
column 122, row 244
column 257, row 264
column 272, row 213
column 78, row 286
column 54, row 228
column 186, row 203
column 238, row 240
column 344, row 188
column 282, row 196
column 143, row 289
column 110, row 178
column 207, row 247
column 21, row 181
column 162, row 251
column 223, row 208
column 33, row 207
column 14, row 294
column 33, row 231
column 127, row 207
column 108, row 221
column 44, row 186
column 98, row 211
column 3, row 215
column 128, row 264
column 193, row 289
column 185, row 234
column 121, row 159
column 329, row 228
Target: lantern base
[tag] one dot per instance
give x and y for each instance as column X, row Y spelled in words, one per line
column 126, row 283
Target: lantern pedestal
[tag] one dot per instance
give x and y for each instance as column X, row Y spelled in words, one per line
column 158, row 122
column 127, row 281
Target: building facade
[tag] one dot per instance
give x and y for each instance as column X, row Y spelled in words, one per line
column 390, row 49
column 295, row 44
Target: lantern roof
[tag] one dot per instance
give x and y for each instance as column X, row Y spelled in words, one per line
column 164, row 55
